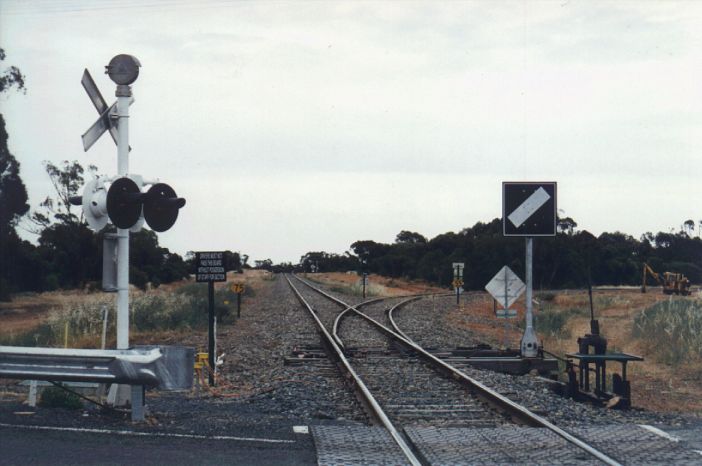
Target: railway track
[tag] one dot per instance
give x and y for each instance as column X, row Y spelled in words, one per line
column 401, row 392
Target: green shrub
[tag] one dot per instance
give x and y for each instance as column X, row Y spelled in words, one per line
column 138, row 278
column 356, row 289
column 5, row 290
column 672, row 329
column 56, row 397
column 553, row 323
column 171, row 312
column 43, row 335
column 51, row 282
column 193, row 289
column 546, row 296
column 603, row 302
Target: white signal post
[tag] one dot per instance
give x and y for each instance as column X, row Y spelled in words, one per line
column 123, row 94
column 123, row 70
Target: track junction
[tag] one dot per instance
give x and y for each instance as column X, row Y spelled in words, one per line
column 425, row 410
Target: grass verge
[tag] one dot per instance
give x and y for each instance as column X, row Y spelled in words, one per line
column 80, row 325
column 671, row 330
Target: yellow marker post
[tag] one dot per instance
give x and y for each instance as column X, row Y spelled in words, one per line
column 238, row 288
column 457, row 284
column 201, row 360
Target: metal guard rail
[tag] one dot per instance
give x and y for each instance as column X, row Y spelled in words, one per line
column 166, row 367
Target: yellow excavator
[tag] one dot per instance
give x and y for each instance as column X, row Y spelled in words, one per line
column 672, row 282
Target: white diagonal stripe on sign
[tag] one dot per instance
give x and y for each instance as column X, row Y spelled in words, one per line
column 528, row 207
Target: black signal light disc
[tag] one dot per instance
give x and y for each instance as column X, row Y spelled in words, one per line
column 124, row 203
column 161, row 207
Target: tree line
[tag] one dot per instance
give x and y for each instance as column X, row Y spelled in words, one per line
column 570, row 259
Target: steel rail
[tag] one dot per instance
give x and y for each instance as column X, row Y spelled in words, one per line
column 365, row 392
column 521, row 412
column 392, row 321
column 337, row 321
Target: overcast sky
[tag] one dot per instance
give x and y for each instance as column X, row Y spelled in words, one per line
column 299, row 126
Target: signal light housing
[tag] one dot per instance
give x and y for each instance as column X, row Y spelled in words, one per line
column 94, row 204
column 127, row 207
column 161, row 206
column 124, row 200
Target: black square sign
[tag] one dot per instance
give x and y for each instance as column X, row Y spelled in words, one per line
column 211, row 266
column 529, row 208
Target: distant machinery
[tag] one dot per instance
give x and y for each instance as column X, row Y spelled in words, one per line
column 672, row 282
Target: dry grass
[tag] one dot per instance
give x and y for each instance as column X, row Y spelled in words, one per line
column 75, row 319
column 656, row 383
column 78, row 324
column 380, row 286
column 672, row 329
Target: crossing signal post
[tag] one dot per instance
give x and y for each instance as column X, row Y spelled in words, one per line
column 120, row 200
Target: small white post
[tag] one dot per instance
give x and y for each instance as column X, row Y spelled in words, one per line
column 214, row 366
column 105, row 315
column 506, row 306
column 32, row 399
column 530, row 343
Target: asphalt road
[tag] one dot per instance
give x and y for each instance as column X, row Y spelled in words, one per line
column 20, row 445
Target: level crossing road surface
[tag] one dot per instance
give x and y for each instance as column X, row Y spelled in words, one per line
column 22, row 445
column 336, row 444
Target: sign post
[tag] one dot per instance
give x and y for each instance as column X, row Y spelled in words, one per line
column 238, row 305
column 211, row 268
column 458, row 279
column 528, row 210
column 505, row 288
column 238, row 288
